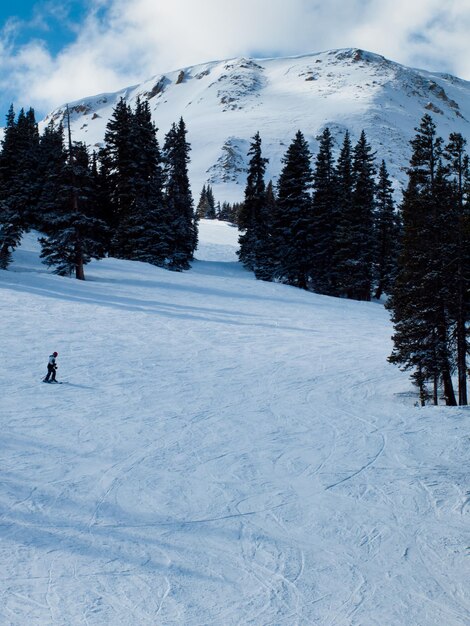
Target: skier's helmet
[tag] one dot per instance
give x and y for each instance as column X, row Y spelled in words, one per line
column 55, row 354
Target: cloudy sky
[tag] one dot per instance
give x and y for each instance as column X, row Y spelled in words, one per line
column 54, row 51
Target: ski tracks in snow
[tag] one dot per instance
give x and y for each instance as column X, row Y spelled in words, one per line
column 231, row 459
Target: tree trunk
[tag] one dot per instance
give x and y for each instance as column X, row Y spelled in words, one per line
column 448, row 388
column 79, row 271
column 461, row 329
column 444, row 362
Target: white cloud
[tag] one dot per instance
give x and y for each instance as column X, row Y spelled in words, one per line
column 139, row 38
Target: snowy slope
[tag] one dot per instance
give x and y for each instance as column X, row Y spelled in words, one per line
column 224, row 103
column 224, row 452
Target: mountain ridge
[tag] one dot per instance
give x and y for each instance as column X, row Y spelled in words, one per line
column 224, row 103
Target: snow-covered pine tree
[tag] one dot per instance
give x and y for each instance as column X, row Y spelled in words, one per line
column 178, row 199
column 325, row 217
column 253, row 217
column 387, row 228
column 292, row 222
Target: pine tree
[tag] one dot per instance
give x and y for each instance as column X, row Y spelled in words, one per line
column 206, row 206
column 229, row 212
column 266, row 250
column 26, row 180
column 387, row 228
column 131, row 174
column 292, row 222
column 420, row 295
column 211, row 213
column 344, row 193
column 52, row 160
column 68, row 203
column 360, row 223
column 178, row 199
column 146, row 228
column 119, row 161
column 18, row 181
column 201, row 208
column 253, row 218
column 102, row 193
column 458, row 253
column 325, row 217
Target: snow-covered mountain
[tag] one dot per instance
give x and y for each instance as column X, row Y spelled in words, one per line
column 226, row 452
column 225, row 102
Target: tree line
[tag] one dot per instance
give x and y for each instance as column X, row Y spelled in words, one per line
column 329, row 226
column 207, row 208
column 430, row 296
column 332, row 227
column 130, row 199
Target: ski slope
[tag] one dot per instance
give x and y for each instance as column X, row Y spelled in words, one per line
column 224, row 452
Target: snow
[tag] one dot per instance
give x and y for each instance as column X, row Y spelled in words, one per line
column 223, row 451
column 224, row 103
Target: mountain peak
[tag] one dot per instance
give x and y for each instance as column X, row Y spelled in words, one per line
column 224, row 103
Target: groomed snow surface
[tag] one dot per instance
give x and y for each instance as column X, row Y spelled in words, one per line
column 223, row 452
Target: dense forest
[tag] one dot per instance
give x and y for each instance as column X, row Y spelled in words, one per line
column 131, row 200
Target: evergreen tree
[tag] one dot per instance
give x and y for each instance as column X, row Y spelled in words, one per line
column 206, row 206
column 178, row 199
column 292, row 228
column 145, row 227
column 26, row 183
column 387, row 227
column 229, row 212
column 253, row 218
column 420, row 295
column 325, row 217
column 359, row 227
column 73, row 231
column 201, row 208
column 266, row 250
column 131, row 173
column 211, row 213
column 18, row 181
column 119, row 161
column 458, row 253
column 102, row 192
column 52, row 160
column 344, row 192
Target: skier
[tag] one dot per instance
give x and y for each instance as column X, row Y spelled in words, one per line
column 51, row 368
